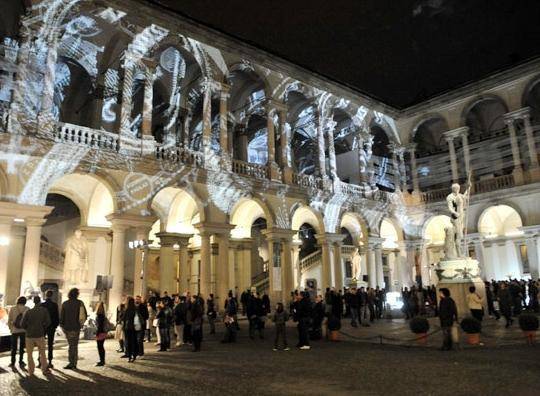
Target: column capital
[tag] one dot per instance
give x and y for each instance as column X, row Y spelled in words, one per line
column 455, row 133
column 411, row 147
column 396, row 148
column 329, row 238
column 375, row 242
column 22, row 211
column 214, row 228
column 530, row 231
column 124, row 220
column 273, row 104
column 519, row 114
column 279, row 234
column 168, row 239
column 93, row 233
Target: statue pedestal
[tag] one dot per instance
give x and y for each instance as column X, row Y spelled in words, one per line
column 457, row 276
column 353, row 282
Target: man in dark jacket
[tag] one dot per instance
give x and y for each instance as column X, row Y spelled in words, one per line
column 505, row 303
column 302, row 315
column 72, row 317
column 143, row 312
column 36, row 322
column 447, row 315
column 52, row 308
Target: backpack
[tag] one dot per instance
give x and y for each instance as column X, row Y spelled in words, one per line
column 137, row 322
column 18, row 321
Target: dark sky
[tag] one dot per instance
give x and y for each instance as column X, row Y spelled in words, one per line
column 398, row 51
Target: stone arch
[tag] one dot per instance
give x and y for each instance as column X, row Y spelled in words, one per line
column 356, row 226
column 492, row 116
column 249, row 68
column 391, row 232
column 245, row 212
column 500, row 220
column 433, row 228
column 428, row 134
column 306, row 214
column 177, row 208
column 531, row 98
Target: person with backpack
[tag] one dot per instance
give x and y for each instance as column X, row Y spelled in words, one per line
column 52, row 308
column 72, row 318
column 18, row 334
column 36, row 322
column 280, row 318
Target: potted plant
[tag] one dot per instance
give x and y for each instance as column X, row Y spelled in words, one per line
column 528, row 323
column 472, row 327
column 334, row 324
column 420, row 327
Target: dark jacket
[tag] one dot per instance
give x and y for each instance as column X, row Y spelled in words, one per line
column 179, row 313
column 280, row 318
column 100, row 324
column 129, row 319
column 505, row 301
column 70, row 315
column 54, row 314
column 36, row 322
column 447, row 312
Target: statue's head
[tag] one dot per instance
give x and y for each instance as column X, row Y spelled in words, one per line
column 78, row 233
column 455, row 188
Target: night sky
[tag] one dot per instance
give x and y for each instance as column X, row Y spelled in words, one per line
column 398, row 51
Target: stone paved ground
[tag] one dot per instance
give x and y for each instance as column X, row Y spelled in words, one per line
column 351, row 366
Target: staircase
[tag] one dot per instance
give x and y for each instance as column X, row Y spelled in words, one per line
column 311, row 260
column 261, row 281
column 51, row 256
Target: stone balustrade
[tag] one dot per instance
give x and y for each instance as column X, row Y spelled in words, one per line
column 307, row 181
column 256, row 171
column 311, row 260
column 70, row 133
column 180, row 155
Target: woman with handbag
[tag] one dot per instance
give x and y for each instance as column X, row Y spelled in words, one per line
column 101, row 332
column 132, row 320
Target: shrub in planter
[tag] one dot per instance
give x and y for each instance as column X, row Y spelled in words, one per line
column 528, row 322
column 419, row 325
column 472, row 327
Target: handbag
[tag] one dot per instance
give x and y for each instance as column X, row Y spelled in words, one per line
column 101, row 336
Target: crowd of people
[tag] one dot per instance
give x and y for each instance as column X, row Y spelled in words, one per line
column 181, row 317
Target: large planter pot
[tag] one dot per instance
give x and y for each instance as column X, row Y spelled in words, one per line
column 334, row 335
column 531, row 336
column 473, row 338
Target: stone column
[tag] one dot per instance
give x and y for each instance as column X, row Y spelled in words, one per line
column 287, row 268
column 275, row 268
column 338, row 266
column 410, row 248
column 330, row 126
column 326, row 271
column 402, row 169
column 532, row 241
column 140, row 272
column 148, row 105
column 466, row 152
column 395, row 165
column 127, row 95
column 453, row 159
column 117, row 264
column 223, row 133
column 222, row 270
column 296, row 263
column 479, row 251
column 207, row 116
column 518, row 170
column 376, row 247
column 321, row 147
column 533, row 154
column 414, row 171
column 285, row 145
column 5, row 239
column 424, row 264
column 183, row 261
column 205, row 270
column 187, row 124
column 30, row 270
column 371, row 265
column 46, row 121
column 167, row 262
column 271, row 136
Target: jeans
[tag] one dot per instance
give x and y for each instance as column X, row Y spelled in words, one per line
column 354, row 315
column 101, row 350
column 197, row 339
column 40, row 344
column 281, row 333
column 132, row 344
column 165, row 338
column 187, row 334
column 303, row 332
column 21, row 337
column 212, row 324
column 179, row 334
column 50, row 343
column 73, row 346
column 447, row 337
column 140, row 342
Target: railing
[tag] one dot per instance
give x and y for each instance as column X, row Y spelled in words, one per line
column 259, row 278
column 307, row 181
column 70, row 133
column 310, row 260
column 434, row 195
column 347, row 250
column 249, row 169
column 494, row 184
column 180, row 155
column 351, row 189
column 51, row 255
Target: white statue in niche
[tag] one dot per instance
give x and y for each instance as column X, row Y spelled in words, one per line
column 76, row 260
column 356, row 265
column 456, row 205
column 450, row 252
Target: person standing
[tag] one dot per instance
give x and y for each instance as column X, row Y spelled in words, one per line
column 163, row 326
column 52, row 308
column 280, row 318
column 196, row 311
column 36, row 322
column 132, row 325
column 119, row 333
column 505, row 303
column 179, row 318
column 72, row 318
column 15, row 317
column 302, row 315
column 351, row 300
column 101, row 332
column 143, row 315
column 474, row 301
column 211, row 313
column 448, row 315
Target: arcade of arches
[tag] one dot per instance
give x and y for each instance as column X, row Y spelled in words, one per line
column 137, row 157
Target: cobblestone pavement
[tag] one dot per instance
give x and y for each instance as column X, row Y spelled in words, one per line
column 251, row 367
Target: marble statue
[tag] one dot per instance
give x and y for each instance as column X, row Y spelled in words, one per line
column 450, row 252
column 356, row 265
column 76, row 260
column 456, row 205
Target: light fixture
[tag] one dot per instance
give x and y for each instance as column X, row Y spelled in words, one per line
column 18, row 220
column 4, row 241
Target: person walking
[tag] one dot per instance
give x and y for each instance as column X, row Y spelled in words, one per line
column 196, row 312
column 54, row 314
column 163, row 326
column 18, row 334
column 150, row 322
column 179, row 318
column 72, row 318
column 142, row 310
column 474, row 302
column 448, row 315
column 211, row 313
column 280, row 318
column 101, row 332
column 132, row 325
column 119, row 333
column 36, row 321
column 505, row 303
